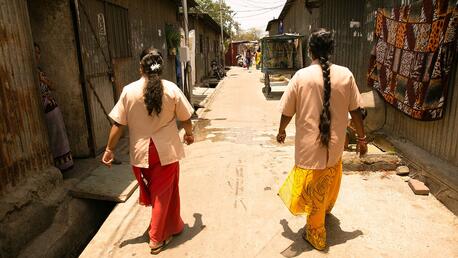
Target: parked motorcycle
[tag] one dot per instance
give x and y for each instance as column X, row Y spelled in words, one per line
column 240, row 61
column 217, row 70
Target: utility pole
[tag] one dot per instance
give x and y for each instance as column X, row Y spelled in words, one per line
column 187, row 82
column 222, row 30
column 186, row 28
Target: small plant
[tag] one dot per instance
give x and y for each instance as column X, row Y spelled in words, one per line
column 173, row 38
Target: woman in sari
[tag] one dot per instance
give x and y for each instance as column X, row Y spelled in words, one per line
column 58, row 138
column 149, row 107
column 320, row 96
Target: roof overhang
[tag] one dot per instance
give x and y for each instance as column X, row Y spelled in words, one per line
column 208, row 20
column 190, row 3
column 285, row 9
column 269, row 24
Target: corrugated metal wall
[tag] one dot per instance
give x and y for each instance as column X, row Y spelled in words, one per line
column 118, row 29
column 210, row 51
column 148, row 19
column 23, row 138
column 338, row 16
column 440, row 138
column 301, row 20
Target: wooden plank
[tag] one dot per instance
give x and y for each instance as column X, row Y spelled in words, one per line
column 116, row 184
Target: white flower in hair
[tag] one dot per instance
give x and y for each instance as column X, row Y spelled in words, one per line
column 155, row 67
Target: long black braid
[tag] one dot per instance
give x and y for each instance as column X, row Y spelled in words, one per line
column 321, row 45
column 152, row 63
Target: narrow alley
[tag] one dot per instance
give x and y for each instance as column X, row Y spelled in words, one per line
column 109, row 107
column 228, row 186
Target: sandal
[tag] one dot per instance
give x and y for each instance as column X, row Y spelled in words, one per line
column 314, row 243
column 158, row 249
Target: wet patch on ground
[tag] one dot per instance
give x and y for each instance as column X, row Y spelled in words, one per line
column 205, row 132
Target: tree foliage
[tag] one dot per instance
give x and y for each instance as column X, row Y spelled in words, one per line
column 212, row 7
column 250, row 34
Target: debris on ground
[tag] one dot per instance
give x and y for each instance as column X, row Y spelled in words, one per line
column 402, row 171
column 418, row 187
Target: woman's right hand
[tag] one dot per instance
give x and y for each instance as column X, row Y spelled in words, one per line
column 361, row 147
column 281, row 136
column 107, row 158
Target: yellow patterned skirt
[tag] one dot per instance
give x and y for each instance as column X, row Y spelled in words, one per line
column 313, row 193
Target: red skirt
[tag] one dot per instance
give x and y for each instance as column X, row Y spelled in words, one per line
column 159, row 189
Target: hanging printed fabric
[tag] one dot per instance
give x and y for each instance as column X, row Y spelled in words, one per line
column 413, row 56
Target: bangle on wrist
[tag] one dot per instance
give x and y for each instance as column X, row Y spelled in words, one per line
column 108, row 150
column 189, row 134
column 362, row 140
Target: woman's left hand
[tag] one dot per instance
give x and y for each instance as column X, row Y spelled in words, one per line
column 188, row 139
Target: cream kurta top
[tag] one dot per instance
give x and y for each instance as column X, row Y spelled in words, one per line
column 304, row 98
column 130, row 110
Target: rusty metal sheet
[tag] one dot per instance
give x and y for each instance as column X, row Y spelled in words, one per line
column 97, row 68
column 346, row 21
column 23, row 137
column 118, row 29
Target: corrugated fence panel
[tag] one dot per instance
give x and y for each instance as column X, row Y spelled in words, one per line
column 23, row 138
column 97, row 65
column 118, row 29
column 438, row 137
column 346, row 20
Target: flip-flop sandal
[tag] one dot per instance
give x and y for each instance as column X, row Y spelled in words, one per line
column 304, row 236
column 159, row 249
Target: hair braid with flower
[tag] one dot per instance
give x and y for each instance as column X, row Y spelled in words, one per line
column 152, row 63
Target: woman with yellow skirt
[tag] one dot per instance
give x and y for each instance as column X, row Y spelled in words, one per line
column 320, row 97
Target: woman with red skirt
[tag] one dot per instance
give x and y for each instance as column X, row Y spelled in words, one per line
column 150, row 107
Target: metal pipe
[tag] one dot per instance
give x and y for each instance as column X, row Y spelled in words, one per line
column 222, row 28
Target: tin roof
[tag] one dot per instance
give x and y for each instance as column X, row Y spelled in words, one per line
column 285, row 9
column 207, row 20
column 269, row 24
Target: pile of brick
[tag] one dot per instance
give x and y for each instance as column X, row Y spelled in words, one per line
column 417, row 186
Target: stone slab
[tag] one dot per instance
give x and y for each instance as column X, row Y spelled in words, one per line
column 418, row 187
column 110, row 184
column 370, row 162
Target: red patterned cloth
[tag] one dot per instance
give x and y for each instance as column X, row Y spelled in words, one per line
column 412, row 58
column 159, row 189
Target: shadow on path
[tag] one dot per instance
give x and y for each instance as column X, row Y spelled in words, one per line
column 140, row 239
column 188, row 234
column 335, row 236
column 274, row 96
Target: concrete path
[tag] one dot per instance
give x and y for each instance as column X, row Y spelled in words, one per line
column 229, row 182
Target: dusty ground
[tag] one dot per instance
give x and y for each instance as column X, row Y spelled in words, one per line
column 229, row 182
